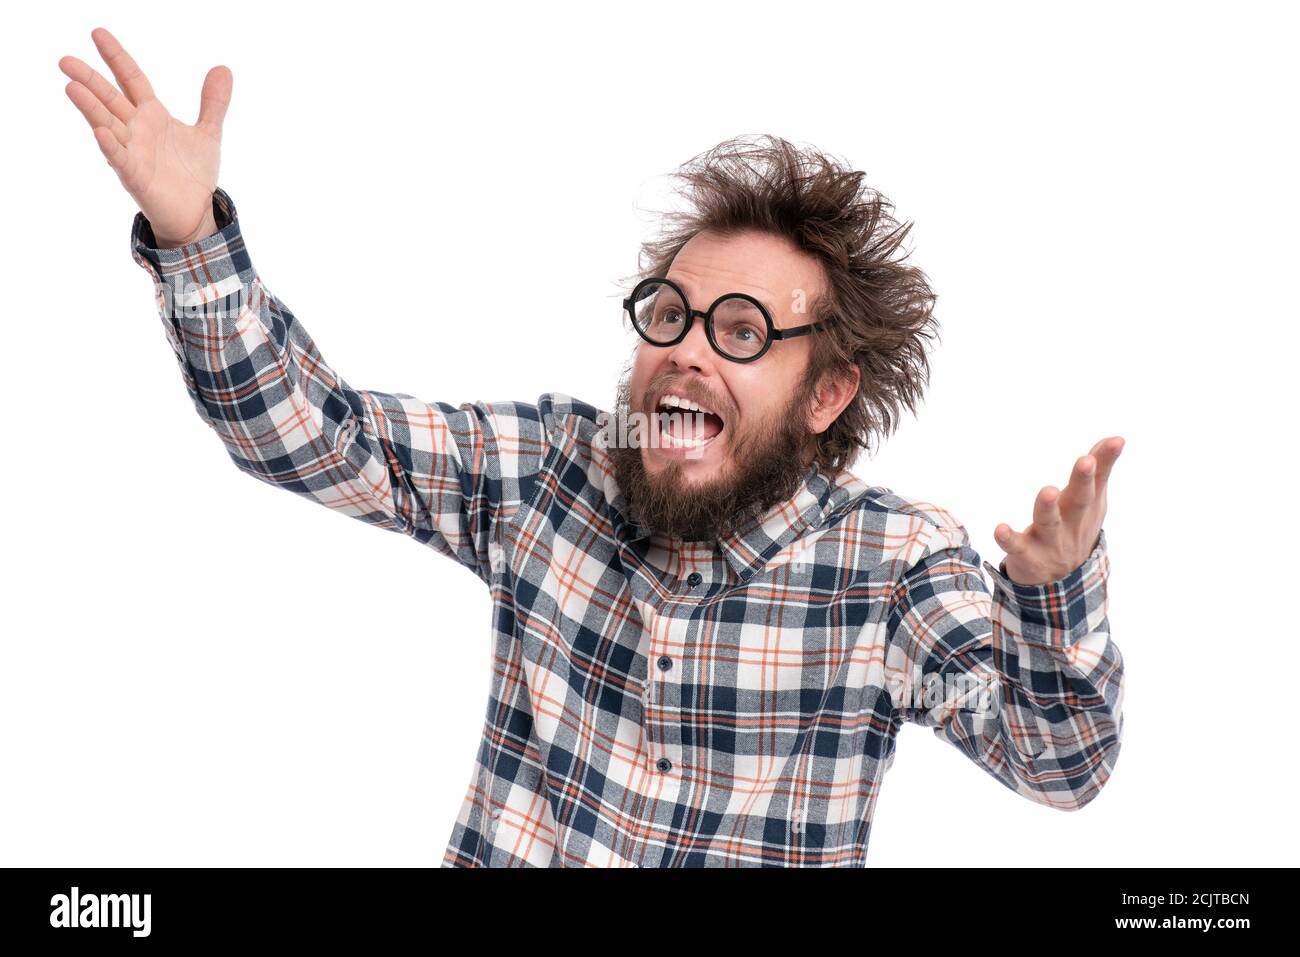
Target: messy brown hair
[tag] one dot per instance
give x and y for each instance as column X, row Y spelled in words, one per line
column 882, row 305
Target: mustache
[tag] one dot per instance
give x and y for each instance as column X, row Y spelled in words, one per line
column 696, row 393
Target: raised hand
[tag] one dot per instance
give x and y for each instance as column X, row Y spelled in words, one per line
column 168, row 167
column 1066, row 525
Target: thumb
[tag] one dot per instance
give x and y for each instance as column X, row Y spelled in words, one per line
column 215, row 98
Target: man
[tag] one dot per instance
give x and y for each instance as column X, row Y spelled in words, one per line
column 708, row 632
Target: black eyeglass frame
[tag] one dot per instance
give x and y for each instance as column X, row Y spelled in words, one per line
column 773, row 333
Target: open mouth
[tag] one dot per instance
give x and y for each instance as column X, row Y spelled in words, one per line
column 685, row 424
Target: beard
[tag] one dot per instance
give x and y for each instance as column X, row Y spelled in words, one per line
column 765, row 466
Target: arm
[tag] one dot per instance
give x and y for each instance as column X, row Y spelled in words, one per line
column 1027, row 683
column 443, row 475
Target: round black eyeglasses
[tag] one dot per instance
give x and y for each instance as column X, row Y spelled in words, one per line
column 737, row 325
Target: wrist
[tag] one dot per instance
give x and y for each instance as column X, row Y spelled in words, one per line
column 205, row 229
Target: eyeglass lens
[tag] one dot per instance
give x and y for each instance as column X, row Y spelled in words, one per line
column 739, row 328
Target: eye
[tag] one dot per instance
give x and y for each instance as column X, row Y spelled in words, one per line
column 669, row 315
column 744, row 335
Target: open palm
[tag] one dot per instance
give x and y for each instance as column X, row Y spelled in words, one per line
column 168, row 167
column 1067, row 524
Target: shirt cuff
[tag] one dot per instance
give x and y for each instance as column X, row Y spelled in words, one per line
column 201, row 272
column 1060, row 612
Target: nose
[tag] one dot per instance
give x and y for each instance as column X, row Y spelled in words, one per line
column 694, row 351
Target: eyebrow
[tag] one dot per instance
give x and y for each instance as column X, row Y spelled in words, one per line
column 766, row 305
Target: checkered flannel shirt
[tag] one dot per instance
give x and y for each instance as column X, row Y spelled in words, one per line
column 656, row 702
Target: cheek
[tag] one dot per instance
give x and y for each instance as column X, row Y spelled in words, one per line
column 650, row 358
column 764, row 401
column 646, row 360
column 752, row 395
column 642, row 370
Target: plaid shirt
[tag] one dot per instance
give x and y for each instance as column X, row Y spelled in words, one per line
column 656, row 702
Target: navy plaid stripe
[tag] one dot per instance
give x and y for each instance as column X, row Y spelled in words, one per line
column 635, row 718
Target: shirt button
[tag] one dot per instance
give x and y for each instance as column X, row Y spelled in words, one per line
column 665, row 663
column 664, row 765
column 694, row 578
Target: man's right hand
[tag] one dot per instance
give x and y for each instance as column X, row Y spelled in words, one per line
column 168, row 167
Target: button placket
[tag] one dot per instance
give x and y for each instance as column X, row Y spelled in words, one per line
column 663, row 736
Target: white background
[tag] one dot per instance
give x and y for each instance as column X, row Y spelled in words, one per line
column 198, row 669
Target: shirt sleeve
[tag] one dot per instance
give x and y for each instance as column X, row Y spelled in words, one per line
column 1026, row 681
column 447, row 476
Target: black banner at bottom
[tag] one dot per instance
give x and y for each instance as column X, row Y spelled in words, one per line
column 157, row 907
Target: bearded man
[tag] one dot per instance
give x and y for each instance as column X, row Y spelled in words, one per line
column 707, row 638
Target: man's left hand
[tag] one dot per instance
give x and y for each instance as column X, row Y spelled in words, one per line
column 1066, row 526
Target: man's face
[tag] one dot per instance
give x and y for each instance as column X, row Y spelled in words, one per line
column 752, row 451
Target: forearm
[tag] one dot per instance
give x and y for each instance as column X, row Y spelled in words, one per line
column 1062, row 680
column 1026, row 682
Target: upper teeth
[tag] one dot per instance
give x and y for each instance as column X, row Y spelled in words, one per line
column 677, row 401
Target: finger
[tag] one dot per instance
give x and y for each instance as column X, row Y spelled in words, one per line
column 1009, row 540
column 1081, row 490
column 129, row 76
column 113, row 151
column 95, row 112
column 1047, row 513
column 1106, row 456
column 215, row 98
column 104, row 91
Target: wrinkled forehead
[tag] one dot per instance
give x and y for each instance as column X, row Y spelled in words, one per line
column 661, row 297
column 769, row 268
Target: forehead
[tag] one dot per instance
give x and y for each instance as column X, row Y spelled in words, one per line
column 768, row 267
